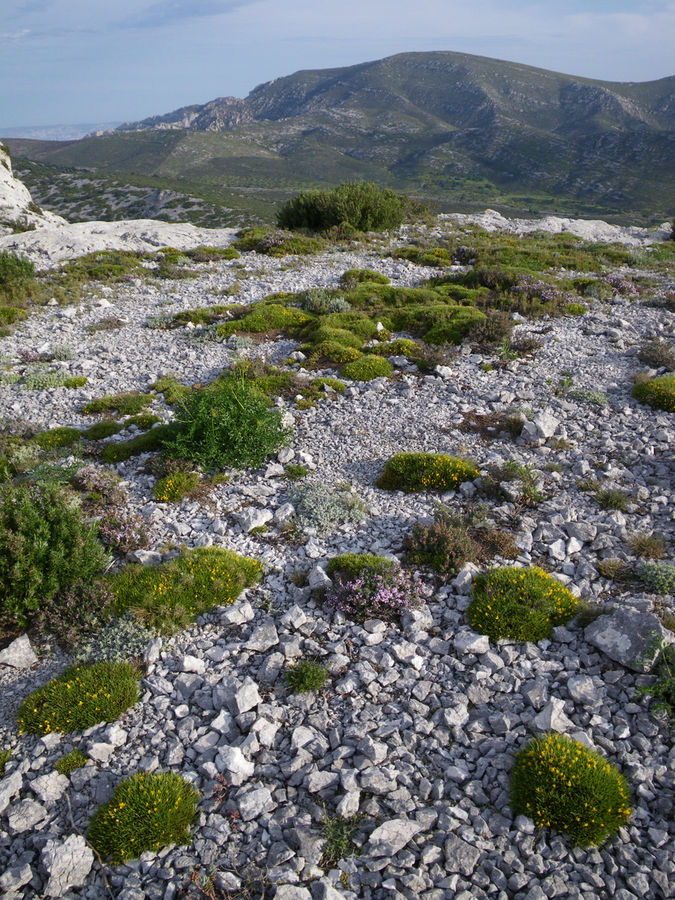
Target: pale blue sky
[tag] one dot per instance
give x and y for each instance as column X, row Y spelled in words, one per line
column 71, row 61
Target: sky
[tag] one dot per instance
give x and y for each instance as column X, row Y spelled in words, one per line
column 74, row 61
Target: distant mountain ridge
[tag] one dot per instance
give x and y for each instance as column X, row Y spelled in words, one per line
column 443, row 125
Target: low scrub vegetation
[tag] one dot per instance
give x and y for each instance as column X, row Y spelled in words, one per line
column 229, row 424
column 659, row 392
column 560, row 783
column 305, row 676
column 375, row 593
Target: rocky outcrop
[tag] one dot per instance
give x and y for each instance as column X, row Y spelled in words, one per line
column 18, row 212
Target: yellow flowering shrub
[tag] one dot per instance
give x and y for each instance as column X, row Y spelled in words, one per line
column 425, row 472
column 146, row 812
column 658, row 392
column 79, row 698
column 520, row 604
column 559, row 783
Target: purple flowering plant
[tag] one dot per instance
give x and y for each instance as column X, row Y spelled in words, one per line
column 376, row 595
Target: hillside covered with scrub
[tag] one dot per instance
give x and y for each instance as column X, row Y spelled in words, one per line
column 336, row 558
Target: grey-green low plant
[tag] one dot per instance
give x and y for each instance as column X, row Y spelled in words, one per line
column 124, row 638
column 586, row 395
column 324, row 509
column 658, row 576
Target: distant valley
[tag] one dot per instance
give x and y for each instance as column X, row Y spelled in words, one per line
column 464, row 132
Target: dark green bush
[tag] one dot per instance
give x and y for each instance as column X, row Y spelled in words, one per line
column 16, row 275
column 149, row 442
column 228, row 424
column 425, row 472
column 362, row 205
column 146, row 812
column 79, row 698
column 519, row 604
column 560, row 783
column 45, row 546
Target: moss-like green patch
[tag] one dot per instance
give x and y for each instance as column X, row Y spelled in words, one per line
column 278, row 243
column 149, row 442
column 367, row 367
column 352, row 277
column 79, row 698
column 170, row 596
column 519, row 604
column 146, row 812
column 126, row 404
column 425, row 472
column 102, row 430
column 350, row 566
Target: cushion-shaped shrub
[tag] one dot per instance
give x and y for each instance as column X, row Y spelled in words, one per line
column 67, row 763
column 170, row 596
column 146, row 812
column 229, row 424
column 352, row 277
column 659, row 393
column 362, row 205
column 79, row 698
column 367, row 367
column 353, row 565
column 57, row 437
column 560, row 783
column 519, row 604
column 45, row 546
column 425, row 472
column 173, row 487
column 126, row 404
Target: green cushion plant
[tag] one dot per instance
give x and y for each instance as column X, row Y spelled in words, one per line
column 366, row 368
column 173, row 487
column 79, row 698
column 70, row 761
column 57, row 437
column 560, row 783
column 425, row 472
column 521, row 604
column 170, row 596
column 146, row 812
column 353, row 565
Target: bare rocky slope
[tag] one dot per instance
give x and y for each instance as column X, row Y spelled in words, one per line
column 414, row 737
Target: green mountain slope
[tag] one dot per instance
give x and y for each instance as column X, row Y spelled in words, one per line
column 447, row 126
